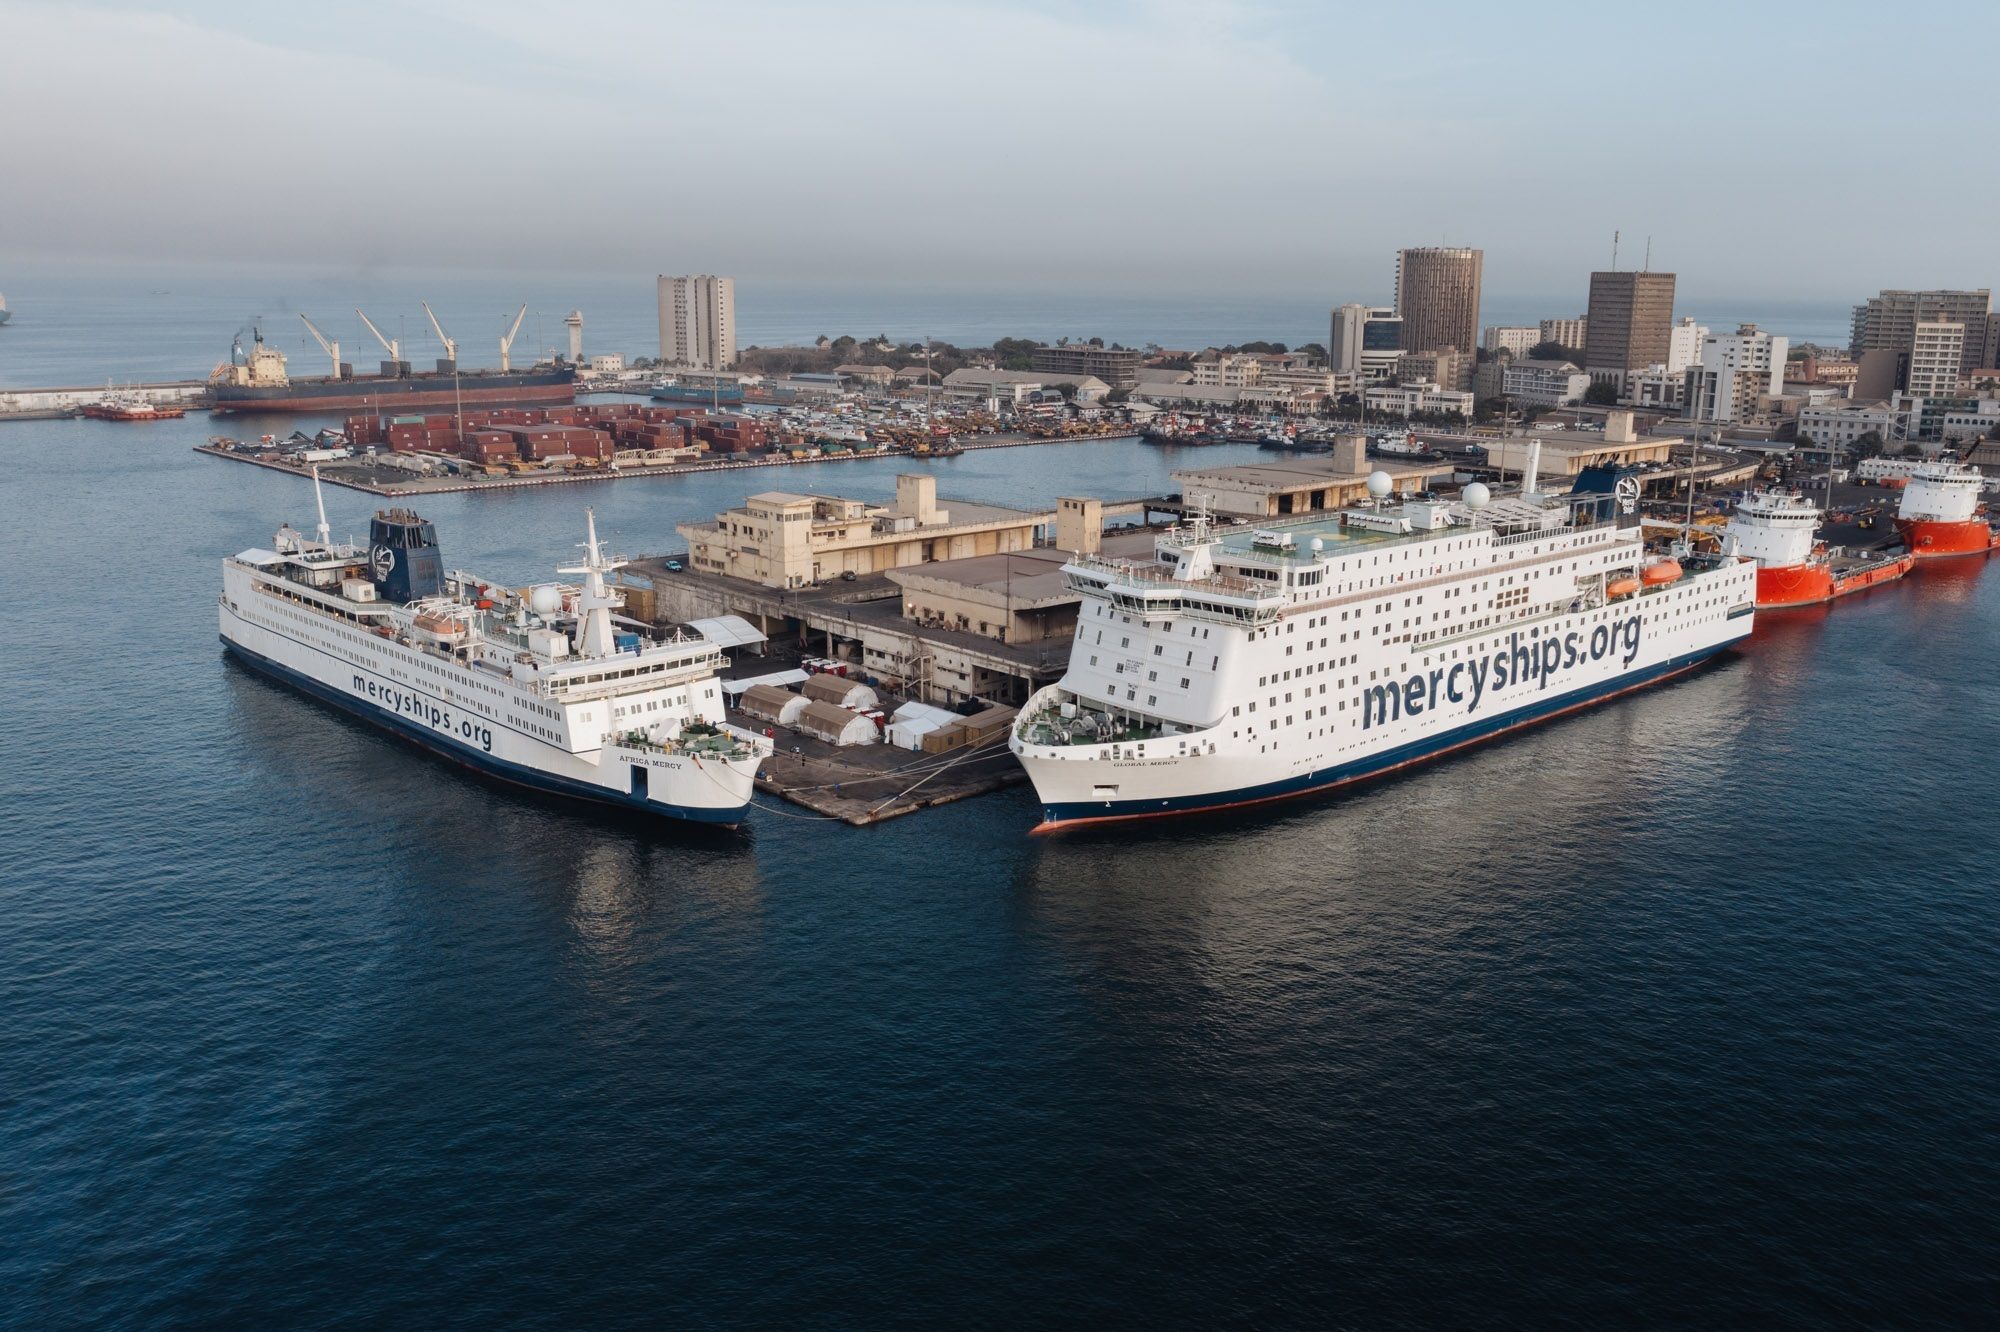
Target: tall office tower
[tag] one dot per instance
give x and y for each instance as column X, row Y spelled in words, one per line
column 1630, row 323
column 698, row 321
column 1437, row 295
column 1888, row 323
column 1365, row 340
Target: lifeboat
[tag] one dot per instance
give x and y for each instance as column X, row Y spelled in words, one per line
column 1661, row 573
column 1619, row 588
column 438, row 626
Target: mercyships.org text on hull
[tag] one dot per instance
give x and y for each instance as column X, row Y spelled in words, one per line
column 538, row 687
column 1245, row 666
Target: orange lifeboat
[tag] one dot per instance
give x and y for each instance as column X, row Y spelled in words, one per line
column 1621, row 587
column 1662, row 573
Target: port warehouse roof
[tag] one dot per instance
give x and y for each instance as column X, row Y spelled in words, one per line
column 1023, row 579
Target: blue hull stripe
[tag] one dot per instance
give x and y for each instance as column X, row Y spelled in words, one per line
column 515, row 773
column 1375, row 765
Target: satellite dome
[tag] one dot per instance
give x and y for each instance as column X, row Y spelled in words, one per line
column 1379, row 484
column 545, row 600
column 1319, row 544
column 1476, row 495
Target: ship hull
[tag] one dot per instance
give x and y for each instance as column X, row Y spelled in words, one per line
column 1071, row 814
column 1785, row 587
column 397, row 395
column 1930, row 540
column 682, row 788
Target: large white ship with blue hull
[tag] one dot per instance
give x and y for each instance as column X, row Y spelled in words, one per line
column 543, row 687
column 1242, row 666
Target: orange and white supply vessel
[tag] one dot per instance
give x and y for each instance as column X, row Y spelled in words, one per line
column 1941, row 514
column 1780, row 531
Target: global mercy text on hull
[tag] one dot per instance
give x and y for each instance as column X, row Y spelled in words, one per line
column 539, row 687
column 1242, row 666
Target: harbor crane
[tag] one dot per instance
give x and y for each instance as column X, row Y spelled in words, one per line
column 507, row 338
column 388, row 344
column 450, row 347
column 327, row 345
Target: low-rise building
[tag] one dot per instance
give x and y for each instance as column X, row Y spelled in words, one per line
column 1118, row 367
column 1302, row 485
column 1570, row 333
column 872, row 376
column 1545, row 383
column 1564, row 453
column 1839, row 425
column 1012, row 388
column 778, row 539
column 607, row 363
column 1410, row 399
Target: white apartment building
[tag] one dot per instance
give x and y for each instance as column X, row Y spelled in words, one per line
column 1935, row 354
column 1409, row 399
column 1545, row 383
column 1684, row 344
column 1656, row 387
column 1515, row 341
column 698, row 321
column 1736, row 372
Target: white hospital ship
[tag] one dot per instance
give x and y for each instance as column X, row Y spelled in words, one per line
column 541, row 687
column 1242, row 666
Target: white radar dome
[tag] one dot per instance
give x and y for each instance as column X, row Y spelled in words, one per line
column 1476, row 495
column 1379, row 484
column 1319, row 544
column 545, row 600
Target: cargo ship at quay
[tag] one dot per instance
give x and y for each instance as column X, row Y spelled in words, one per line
column 257, row 381
column 1242, row 666
column 540, row 687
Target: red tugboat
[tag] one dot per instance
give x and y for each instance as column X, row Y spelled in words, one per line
column 1780, row 532
column 1940, row 513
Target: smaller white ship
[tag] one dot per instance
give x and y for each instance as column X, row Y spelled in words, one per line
column 542, row 686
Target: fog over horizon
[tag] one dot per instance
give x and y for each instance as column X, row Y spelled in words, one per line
column 1202, row 149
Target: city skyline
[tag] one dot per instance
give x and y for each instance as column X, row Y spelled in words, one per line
column 470, row 96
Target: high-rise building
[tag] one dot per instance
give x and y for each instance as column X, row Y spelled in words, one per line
column 1437, row 295
column 1887, row 322
column 1737, row 370
column 1515, row 341
column 1366, row 340
column 1630, row 325
column 1569, row 333
column 1937, row 352
column 698, row 321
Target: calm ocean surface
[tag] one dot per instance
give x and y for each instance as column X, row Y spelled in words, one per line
column 125, row 323
column 1684, row 1011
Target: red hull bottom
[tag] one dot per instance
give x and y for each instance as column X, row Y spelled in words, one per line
column 1933, row 540
column 396, row 403
column 1815, row 584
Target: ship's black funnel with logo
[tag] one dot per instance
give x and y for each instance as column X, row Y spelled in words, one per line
column 1612, row 491
column 403, row 556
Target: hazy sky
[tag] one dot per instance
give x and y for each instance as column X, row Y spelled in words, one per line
column 1782, row 150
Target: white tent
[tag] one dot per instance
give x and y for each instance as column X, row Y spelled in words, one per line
column 840, row 691
column 909, row 732
column 727, row 631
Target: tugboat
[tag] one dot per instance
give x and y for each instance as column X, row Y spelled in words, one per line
column 1779, row 530
column 132, row 407
column 1941, row 515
